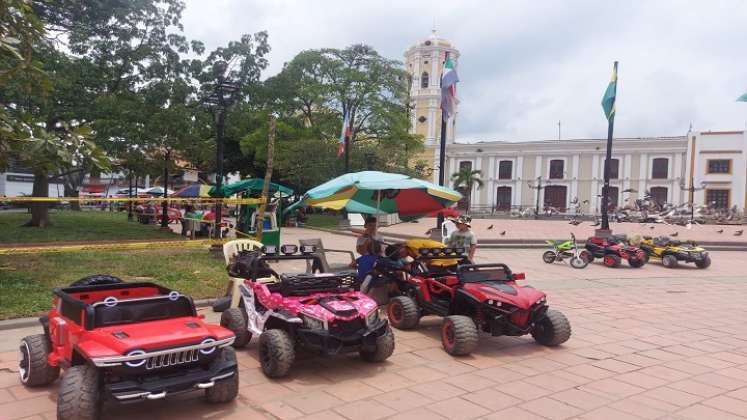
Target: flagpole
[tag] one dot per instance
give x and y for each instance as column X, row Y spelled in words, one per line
column 347, row 152
column 605, row 228
column 441, row 169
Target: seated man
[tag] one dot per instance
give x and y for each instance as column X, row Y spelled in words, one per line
column 369, row 245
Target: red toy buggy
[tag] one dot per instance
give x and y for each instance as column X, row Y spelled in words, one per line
column 613, row 250
column 473, row 298
column 126, row 342
column 318, row 311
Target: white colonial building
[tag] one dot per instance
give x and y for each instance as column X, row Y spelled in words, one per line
column 573, row 169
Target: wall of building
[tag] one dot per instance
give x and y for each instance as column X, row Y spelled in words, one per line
column 705, row 146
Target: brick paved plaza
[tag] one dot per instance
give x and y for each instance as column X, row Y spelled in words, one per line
column 647, row 343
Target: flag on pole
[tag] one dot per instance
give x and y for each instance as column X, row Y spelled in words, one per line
column 346, row 132
column 608, row 100
column 449, row 80
column 742, row 98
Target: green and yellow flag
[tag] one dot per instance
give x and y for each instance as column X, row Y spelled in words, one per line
column 608, row 100
column 742, row 98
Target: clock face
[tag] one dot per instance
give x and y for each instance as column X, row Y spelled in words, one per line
column 421, row 119
column 427, row 42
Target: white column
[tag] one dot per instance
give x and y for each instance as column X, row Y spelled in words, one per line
column 435, row 76
column 574, row 176
column 626, row 171
column 491, row 183
column 593, row 199
column 477, row 193
column 678, row 173
column 643, row 175
column 436, row 152
column 518, row 174
column 537, row 173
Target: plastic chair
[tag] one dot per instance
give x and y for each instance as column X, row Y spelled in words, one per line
column 230, row 250
column 321, row 253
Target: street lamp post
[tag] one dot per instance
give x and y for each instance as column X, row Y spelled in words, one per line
column 164, row 204
column 537, row 187
column 691, row 190
column 221, row 98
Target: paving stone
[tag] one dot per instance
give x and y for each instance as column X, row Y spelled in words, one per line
column 365, row 410
column 551, row 409
column 458, row 409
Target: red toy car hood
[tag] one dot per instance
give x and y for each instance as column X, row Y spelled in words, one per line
column 508, row 292
column 174, row 332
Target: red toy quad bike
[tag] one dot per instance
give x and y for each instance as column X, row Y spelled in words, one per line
column 475, row 297
column 613, row 250
column 318, row 311
column 126, row 342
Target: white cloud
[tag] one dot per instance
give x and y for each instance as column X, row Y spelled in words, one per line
column 526, row 65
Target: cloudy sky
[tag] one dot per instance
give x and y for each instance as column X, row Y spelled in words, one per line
column 526, row 65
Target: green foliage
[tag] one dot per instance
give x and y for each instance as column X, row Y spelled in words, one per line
column 464, row 180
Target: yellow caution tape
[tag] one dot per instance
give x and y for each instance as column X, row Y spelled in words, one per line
column 250, row 201
column 108, row 247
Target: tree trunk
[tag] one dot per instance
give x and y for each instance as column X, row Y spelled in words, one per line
column 268, row 177
column 39, row 211
column 73, row 182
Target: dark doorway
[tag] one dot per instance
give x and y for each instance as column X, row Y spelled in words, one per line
column 555, row 196
column 503, row 198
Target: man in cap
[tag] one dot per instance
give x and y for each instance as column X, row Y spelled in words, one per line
column 464, row 237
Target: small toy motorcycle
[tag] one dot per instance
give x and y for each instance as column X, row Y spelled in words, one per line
column 579, row 258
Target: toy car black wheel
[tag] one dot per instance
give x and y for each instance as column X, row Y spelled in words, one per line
column 669, row 261
column 612, row 260
column 552, row 330
column 403, row 313
column 276, row 353
column 235, row 320
column 96, row 280
column 548, row 257
column 384, row 348
column 33, row 367
column 459, row 335
column 579, row 262
column 227, row 389
column 704, row 263
column 80, row 394
column 636, row 263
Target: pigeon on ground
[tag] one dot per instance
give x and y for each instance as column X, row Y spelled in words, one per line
column 674, row 234
column 738, row 233
column 720, row 231
column 503, row 233
column 428, row 232
column 651, row 227
column 490, row 227
column 575, row 222
column 597, row 223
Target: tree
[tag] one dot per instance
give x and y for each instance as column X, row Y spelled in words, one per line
column 310, row 96
column 464, row 180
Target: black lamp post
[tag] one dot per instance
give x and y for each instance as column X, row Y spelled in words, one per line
column 164, row 204
column 221, row 98
column 129, row 195
column 691, row 189
column 539, row 187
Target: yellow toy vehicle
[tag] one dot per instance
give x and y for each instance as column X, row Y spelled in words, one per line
column 671, row 252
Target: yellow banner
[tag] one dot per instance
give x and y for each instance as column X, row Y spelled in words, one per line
column 109, row 247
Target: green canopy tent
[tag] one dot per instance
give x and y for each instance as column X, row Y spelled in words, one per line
column 253, row 187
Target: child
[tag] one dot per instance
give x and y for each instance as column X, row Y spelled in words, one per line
column 464, row 237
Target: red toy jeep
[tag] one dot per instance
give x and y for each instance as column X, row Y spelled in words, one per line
column 471, row 298
column 126, row 342
column 613, row 250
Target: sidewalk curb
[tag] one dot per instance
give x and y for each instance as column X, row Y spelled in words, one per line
column 14, row 323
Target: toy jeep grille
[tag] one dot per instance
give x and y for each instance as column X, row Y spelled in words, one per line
column 301, row 284
column 172, row 359
column 346, row 327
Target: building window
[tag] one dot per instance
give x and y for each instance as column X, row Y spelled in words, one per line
column 505, row 169
column 424, row 80
column 465, row 165
column 614, row 168
column 556, row 169
column 718, row 199
column 659, row 194
column 719, row 166
column 660, row 168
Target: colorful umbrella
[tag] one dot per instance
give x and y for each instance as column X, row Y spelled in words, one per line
column 194, row 190
column 375, row 192
column 251, row 185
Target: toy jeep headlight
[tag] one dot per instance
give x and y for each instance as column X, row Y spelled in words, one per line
column 372, row 318
column 136, row 363
column 269, row 249
column 313, row 323
column 288, row 249
column 208, row 350
column 308, row 249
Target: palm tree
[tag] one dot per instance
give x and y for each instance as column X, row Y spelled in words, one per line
column 464, row 180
